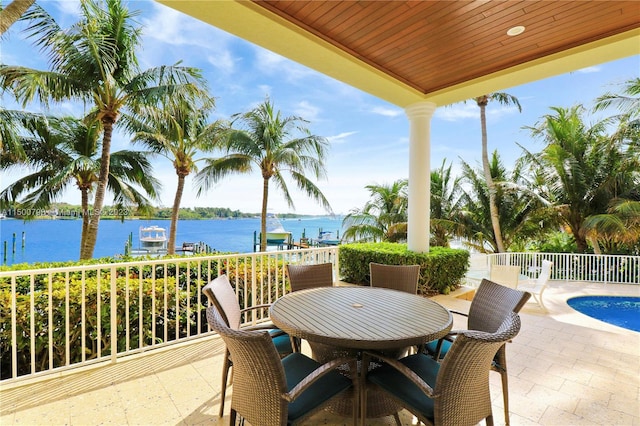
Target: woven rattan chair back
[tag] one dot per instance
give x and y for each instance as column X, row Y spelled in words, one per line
column 492, row 304
column 310, row 276
column 396, row 277
column 506, row 275
column 302, row 277
column 221, row 295
column 259, row 378
column 462, row 395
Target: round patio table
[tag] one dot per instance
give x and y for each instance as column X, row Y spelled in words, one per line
column 361, row 318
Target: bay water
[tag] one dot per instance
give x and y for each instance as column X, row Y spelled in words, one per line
column 56, row 240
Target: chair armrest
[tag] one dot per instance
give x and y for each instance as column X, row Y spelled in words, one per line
column 251, row 308
column 405, row 371
column 315, row 375
column 264, row 326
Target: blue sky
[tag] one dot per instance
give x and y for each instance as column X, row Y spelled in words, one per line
column 368, row 137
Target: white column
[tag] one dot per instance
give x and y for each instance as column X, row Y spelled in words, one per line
column 419, row 175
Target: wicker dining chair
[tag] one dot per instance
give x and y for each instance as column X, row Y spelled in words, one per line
column 452, row 393
column 396, row 277
column 269, row 391
column 310, row 276
column 491, row 304
column 221, row 295
column 302, row 277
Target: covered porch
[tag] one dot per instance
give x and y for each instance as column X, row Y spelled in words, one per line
column 565, row 368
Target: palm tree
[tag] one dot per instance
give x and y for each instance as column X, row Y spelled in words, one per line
column 628, row 102
column 14, row 10
column 482, row 102
column 518, row 212
column 583, row 169
column 383, row 217
column 446, row 204
column 94, row 61
column 66, row 154
column 13, row 125
column 179, row 132
column 268, row 144
column 617, row 228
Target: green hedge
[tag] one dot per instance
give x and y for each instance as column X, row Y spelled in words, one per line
column 147, row 290
column 441, row 270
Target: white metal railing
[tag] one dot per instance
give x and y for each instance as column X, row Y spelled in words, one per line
column 62, row 318
column 615, row 269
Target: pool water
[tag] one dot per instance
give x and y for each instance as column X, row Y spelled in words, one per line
column 623, row 311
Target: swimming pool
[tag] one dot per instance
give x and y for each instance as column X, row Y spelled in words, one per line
column 623, row 311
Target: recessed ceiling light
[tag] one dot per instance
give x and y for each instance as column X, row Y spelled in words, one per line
column 515, row 30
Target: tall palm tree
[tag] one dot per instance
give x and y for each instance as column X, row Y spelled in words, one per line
column 178, row 132
column 66, row 154
column 268, row 144
column 14, row 10
column 383, row 217
column 94, row 61
column 482, row 102
column 583, row 168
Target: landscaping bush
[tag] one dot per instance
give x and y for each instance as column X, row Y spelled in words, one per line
column 441, row 270
column 162, row 298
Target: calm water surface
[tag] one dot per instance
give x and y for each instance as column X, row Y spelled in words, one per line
column 59, row 240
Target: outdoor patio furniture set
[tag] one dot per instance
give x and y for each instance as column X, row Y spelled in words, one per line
column 374, row 350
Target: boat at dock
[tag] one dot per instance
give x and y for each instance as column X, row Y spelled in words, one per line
column 276, row 234
column 327, row 238
column 152, row 240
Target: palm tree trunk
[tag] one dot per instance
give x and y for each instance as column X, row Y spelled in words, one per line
column 263, row 218
column 94, row 221
column 493, row 208
column 10, row 14
column 174, row 215
column 85, row 217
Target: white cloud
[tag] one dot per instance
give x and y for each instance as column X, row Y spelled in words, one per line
column 470, row 110
column 387, row 112
column 307, row 111
column 340, row 138
column 589, row 70
column 175, row 28
column 271, row 64
column 457, row 112
column 68, row 7
column 223, row 61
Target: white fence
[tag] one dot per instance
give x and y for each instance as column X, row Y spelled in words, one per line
column 62, row 318
column 615, row 269
column 57, row 319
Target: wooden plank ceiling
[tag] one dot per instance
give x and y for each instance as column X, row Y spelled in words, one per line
column 431, row 45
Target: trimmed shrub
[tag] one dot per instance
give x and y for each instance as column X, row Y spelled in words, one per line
column 441, row 270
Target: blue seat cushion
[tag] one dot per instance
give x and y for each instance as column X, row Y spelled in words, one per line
column 296, row 367
column 433, row 345
column 394, row 382
column 281, row 341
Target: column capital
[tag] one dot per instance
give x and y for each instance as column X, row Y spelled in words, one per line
column 421, row 109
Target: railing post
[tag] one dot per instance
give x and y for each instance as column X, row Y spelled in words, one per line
column 114, row 316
